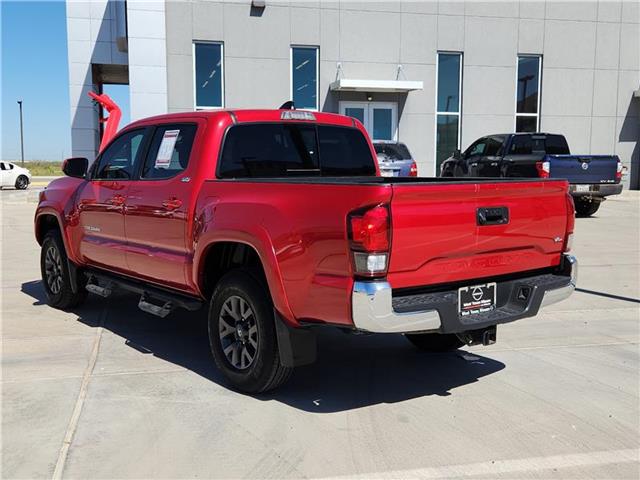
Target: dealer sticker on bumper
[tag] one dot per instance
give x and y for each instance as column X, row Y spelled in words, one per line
column 477, row 299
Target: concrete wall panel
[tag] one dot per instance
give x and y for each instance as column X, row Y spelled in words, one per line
column 572, row 10
column 608, row 45
column 417, row 131
column 180, row 28
column 603, row 135
column 532, row 9
column 489, row 90
column 257, row 83
column 630, row 46
column 418, row 38
column 567, row 92
column 450, row 33
column 609, row 10
column 362, row 38
column 491, row 41
column 305, row 26
column 265, row 36
column 575, row 129
column 207, row 21
column 329, row 35
column 605, row 90
column 569, row 44
column 180, row 82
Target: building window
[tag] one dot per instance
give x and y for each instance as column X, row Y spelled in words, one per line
column 448, row 105
column 528, row 93
column 304, row 77
column 208, row 74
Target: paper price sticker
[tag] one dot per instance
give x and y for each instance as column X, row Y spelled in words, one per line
column 163, row 159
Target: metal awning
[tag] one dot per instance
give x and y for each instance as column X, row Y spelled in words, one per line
column 353, row 85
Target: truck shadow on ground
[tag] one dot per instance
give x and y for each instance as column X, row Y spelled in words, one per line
column 352, row 371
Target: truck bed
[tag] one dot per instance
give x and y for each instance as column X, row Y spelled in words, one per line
column 435, row 236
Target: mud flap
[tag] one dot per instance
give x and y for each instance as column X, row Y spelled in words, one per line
column 297, row 346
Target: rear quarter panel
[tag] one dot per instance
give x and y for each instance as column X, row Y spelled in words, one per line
column 299, row 232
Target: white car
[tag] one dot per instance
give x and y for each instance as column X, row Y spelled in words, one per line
column 11, row 175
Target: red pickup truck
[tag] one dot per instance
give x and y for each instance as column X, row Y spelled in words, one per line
column 278, row 222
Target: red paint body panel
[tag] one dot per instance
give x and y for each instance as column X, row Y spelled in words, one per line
column 436, row 238
column 297, row 227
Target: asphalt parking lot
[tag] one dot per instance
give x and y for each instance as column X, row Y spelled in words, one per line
column 108, row 391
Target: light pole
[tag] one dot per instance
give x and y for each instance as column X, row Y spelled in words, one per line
column 21, row 136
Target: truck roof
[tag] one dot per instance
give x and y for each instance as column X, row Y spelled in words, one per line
column 252, row 115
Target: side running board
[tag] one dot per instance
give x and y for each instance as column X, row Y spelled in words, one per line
column 154, row 300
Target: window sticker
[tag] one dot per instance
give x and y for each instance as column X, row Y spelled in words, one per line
column 163, row 159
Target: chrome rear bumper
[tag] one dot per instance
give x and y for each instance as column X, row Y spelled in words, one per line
column 373, row 309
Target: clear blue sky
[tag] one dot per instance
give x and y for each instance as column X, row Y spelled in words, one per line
column 35, row 70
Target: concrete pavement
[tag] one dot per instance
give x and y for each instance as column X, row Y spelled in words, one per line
column 110, row 392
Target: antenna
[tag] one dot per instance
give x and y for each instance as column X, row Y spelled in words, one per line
column 288, row 105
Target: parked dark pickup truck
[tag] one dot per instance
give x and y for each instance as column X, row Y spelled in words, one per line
column 540, row 155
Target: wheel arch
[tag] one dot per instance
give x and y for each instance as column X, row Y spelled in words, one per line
column 221, row 256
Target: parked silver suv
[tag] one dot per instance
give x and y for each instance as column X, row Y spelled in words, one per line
column 395, row 160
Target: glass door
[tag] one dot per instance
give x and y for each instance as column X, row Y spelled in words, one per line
column 379, row 118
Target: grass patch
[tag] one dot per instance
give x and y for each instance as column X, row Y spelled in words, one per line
column 43, row 169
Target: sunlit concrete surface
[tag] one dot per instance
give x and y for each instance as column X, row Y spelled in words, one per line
column 107, row 391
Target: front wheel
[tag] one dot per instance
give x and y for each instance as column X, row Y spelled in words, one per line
column 55, row 274
column 586, row 208
column 22, row 182
column 435, row 342
column 242, row 333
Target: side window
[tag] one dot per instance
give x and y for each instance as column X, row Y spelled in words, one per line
column 169, row 151
column 477, row 148
column 344, row 151
column 521, row 145
column 269, row 150
column 493, row 146
column 10, row 165
column 118, row 161
column 3, row 166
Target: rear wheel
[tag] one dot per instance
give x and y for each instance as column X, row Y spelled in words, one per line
column 586, row 208
column 55, row 274
column 242, row 333
column 435, row 342
column 22, row 182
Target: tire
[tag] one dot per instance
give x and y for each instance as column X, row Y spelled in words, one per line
column 242, row 333
column 22, row 182
column 435, row 342
column 55, row 274
column 586, row 208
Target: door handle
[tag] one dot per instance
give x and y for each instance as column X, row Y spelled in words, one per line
column 117, row 200
column 172, row 203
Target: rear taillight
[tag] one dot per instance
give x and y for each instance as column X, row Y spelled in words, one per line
column 571, row 222
column 619, row 170
column 413, row 172
column 543, row 169
column 370, row 238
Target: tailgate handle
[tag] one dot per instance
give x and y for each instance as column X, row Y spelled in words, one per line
column 492, row 215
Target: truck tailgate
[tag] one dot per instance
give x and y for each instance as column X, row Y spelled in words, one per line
column 437, row 237
column 584, row 169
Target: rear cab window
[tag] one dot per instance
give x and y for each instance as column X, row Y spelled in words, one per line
column 276, row 150
column 538, row 144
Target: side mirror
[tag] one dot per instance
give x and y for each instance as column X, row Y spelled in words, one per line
column 75, row 167
column 457, row 154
